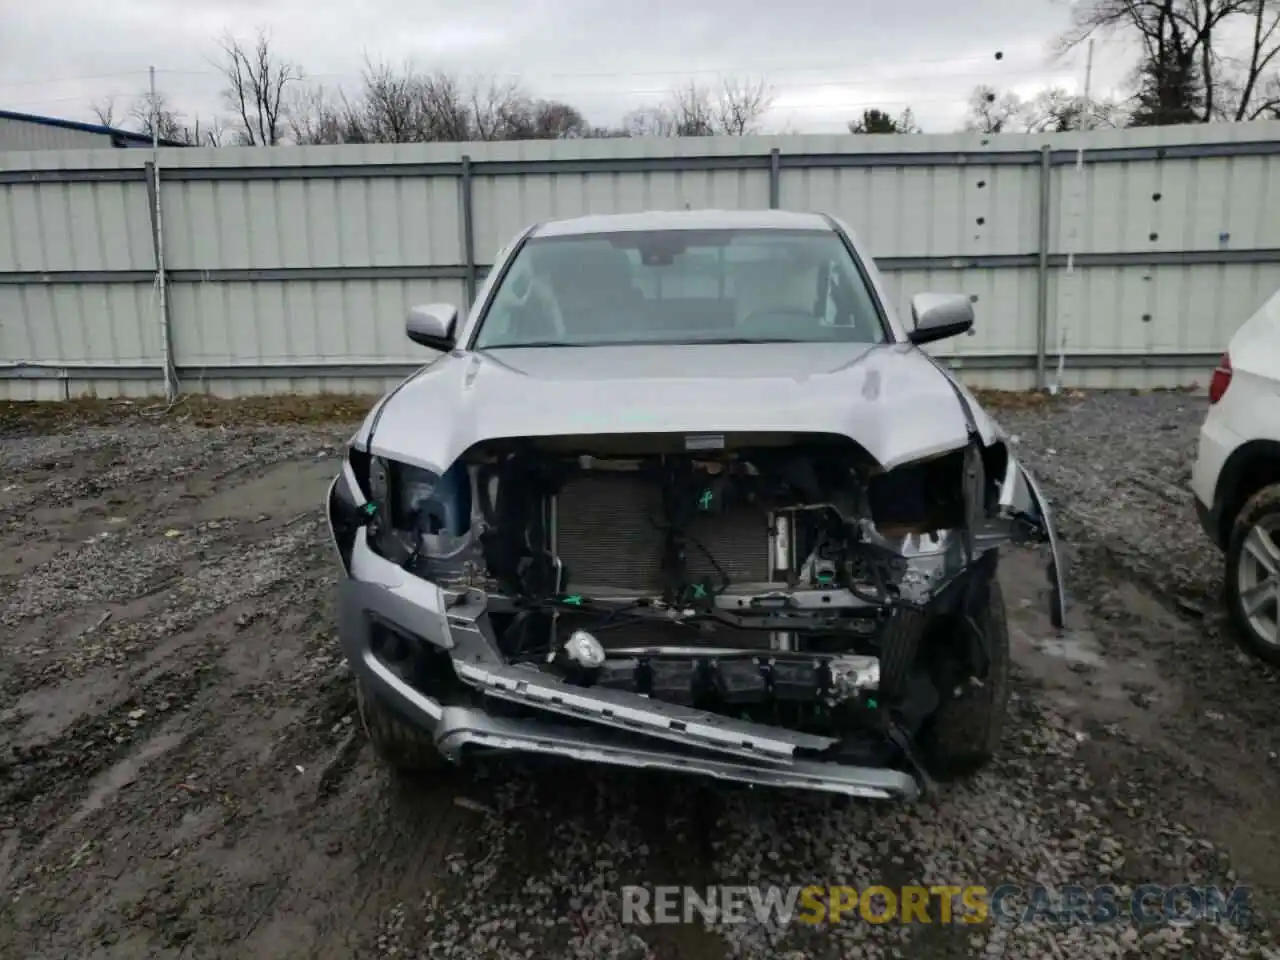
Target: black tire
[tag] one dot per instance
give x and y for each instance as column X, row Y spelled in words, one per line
column 402, row 747
column 964, row 732
column 899, row 645
column 1263, row 504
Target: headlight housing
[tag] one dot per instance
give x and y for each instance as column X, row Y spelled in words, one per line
column 379, row 482
column 413, row 489
column 403, row 493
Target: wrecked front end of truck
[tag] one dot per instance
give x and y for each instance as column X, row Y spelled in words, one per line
column 766, row 608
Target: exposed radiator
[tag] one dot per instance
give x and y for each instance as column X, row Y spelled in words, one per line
column 608, row 534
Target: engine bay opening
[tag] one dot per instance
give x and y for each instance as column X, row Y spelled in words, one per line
column 644, row 520
column 785, row 578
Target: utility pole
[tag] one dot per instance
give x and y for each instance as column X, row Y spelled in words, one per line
column 1086, row 115
column 170, row 387
column 1068, row 292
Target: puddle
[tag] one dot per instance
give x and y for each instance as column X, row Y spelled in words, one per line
column 1076, row 646
column 107, row 784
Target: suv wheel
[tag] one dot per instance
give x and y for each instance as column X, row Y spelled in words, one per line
column 964, row 732
column 1253, row 575
column 403, row 748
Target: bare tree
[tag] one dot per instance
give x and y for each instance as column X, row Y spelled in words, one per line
column 152, row 114
column 211, row 134
column 1169, row 31
column 106, row 111
column 1201, row 60
column 447, row 111
column 257, row 84
column 497, row 107
column 553, row 120
column 993, row 112
column 742, row 104
column 525, row 119
column 1054, row 110
column 1171, row 86
column 1268, row 107
column 878, row 121
column 694, row 110
column 400, row 104
column 146, row 113
column 1254, row 86
column 318, row 115
column 605, row 133
column 393, row 106
column 404, row 105
column 651, row 121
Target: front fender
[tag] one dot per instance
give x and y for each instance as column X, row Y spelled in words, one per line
column 345, row 511
column 1022, row 500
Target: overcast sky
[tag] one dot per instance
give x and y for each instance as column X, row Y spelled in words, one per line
column 826, row 60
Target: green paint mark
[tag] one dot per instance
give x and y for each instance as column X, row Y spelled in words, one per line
column 574, row 601
column 699, row 591
column 872, row 703
column 370, row 509
column 825, row 577
column 704, row 501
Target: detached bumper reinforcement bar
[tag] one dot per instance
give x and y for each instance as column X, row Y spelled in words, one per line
column 639, row 715
column 462, row 727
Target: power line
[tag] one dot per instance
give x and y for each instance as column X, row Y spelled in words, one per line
column 51, row 81
column 754, row 70
column 579, row 95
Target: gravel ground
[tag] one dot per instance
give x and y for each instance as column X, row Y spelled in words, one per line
column 181, row 773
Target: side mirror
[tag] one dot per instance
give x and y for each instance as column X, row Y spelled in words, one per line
column 939, row 315
column 432, row 325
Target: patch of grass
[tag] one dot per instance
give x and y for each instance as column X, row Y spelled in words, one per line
column 195, row 409
column 1016, row 399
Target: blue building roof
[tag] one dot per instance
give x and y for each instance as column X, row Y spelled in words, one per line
column 119, row 138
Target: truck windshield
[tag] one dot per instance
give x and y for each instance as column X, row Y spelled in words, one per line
column 682, row 286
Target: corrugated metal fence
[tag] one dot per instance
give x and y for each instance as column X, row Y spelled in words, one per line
column 1127, row 256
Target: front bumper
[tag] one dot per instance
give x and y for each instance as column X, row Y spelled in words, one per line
column 1213, row 449
column 594, row 724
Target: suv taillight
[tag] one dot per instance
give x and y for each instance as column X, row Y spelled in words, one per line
column 1221, row 379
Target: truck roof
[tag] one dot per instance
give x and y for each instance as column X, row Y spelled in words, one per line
column 683, row 220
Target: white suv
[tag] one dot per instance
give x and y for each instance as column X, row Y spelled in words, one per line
column 1236, row 478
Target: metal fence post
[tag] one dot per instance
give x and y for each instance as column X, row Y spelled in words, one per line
column 169, row 368
column 468, row 231
column 775, row 177
column 1042, row 278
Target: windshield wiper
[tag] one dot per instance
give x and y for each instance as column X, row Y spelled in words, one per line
column 645, row 343
column 735, row 340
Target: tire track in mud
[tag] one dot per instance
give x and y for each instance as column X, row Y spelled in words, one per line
column 40, row 779
column 172, row 653
column 238, row 821
column 97, row 476
column 97, row 593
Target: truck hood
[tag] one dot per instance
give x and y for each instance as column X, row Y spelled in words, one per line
column 889, row 398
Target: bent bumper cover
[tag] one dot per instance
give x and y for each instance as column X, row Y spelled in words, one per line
column 614, row 727
column 466, row 727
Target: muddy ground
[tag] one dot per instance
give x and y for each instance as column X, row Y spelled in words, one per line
column 182, row 773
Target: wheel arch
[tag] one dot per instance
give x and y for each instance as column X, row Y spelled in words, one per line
column 1248, row 469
